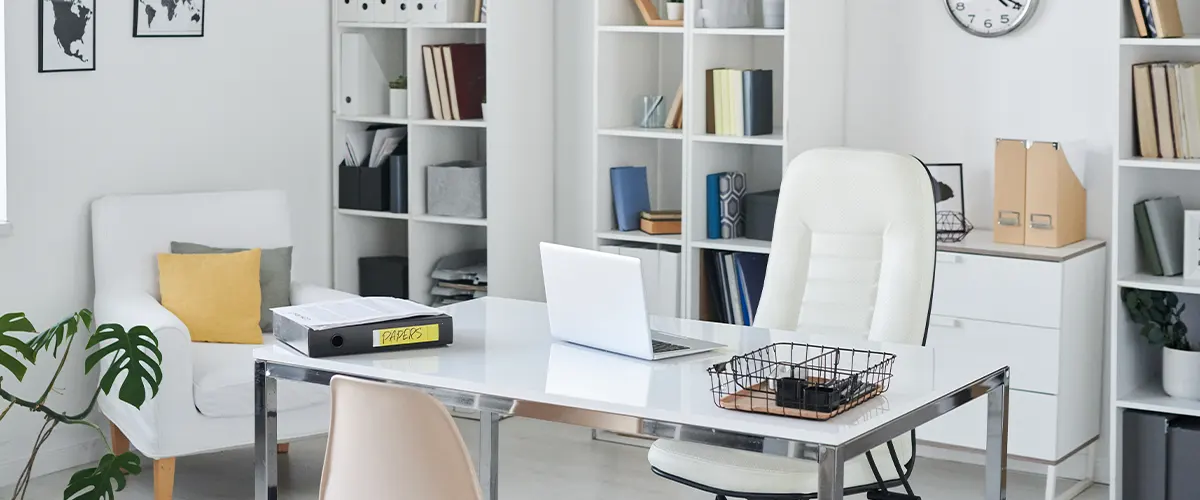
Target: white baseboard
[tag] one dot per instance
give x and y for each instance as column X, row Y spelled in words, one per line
column 53, row 460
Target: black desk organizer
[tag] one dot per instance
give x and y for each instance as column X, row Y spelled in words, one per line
column 812, row 382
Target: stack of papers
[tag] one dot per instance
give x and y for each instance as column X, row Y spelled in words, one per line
column 360, row 311
column 371, row 148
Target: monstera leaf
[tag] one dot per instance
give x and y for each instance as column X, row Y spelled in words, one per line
column 62, row 333
column 97, row 483
column 135, row 353
column 15, row 322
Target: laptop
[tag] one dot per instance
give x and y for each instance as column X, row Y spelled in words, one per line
column 597, row 299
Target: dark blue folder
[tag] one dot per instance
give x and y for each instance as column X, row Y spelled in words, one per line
column 752, row 272
column 631, row 196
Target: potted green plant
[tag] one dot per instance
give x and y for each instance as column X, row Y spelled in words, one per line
column 1158, row 313
column 399, row 96
column 674, row 10
column 134, row 353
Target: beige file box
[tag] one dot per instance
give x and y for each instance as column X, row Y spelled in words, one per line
column 1009, row 198
column 1055, row 200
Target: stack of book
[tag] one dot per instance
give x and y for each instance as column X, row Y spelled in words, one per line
column 662, row 222
column 1167, row 106
column 456, row 78
column 459, row 277
column 1159, row 224
column 1157, row 18
column 740, row 102
column 733, row 282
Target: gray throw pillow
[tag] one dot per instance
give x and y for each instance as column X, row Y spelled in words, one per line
column 274, row 276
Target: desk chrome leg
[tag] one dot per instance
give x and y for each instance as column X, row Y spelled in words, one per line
column 489, row 454
column 830, row 473
column 996, row 480
column 266, row 435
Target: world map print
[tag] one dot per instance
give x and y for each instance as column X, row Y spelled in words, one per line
column 169, row 18
column 67, row 35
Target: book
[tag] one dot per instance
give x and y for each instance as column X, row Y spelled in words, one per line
column 439, row 65
column 466, row 68
column 1139, row 20
column 1143, row 93
column 676, row 110
column 1167, row 22
column 710, row 113
column 712, row 200
column 722, row 101
column 1176, row 110
column 662, row 215
column 662, row 226
column 431, row 86
column 1162, row 111
column 1165, row 217
column 732, row 189
column 631, row 196
column 715, row 279
column 1148, row 15
column 737, row 101
column 731, row 289
column 758, row 95
column 752, row 270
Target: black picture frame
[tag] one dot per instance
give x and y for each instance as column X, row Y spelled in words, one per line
column 137, row 17
column 948, row 175
column 42, row 5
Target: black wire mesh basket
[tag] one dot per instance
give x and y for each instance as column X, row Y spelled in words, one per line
column 812, row 382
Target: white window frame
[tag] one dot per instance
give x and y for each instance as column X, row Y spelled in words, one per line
column 5, row 225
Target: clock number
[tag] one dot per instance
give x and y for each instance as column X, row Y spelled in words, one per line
column 1004, row 18
column 987, row 23
column 960, row 6
column 972, row 16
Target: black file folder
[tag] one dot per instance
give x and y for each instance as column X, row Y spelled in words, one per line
column 397, row 335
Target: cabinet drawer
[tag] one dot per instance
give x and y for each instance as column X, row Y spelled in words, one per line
column 1000, row 289
column 1031, row 352
column 1032, row 420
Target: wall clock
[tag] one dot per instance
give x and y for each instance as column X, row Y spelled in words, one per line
column 990, row 18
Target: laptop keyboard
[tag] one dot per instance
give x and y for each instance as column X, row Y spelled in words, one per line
column 661, row 347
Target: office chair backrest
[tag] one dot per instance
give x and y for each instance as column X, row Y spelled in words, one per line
column 853, row 248
column 388, row 441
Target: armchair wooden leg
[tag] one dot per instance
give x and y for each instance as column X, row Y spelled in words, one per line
column 282, row 448
column 120, row 443
column 164, row 478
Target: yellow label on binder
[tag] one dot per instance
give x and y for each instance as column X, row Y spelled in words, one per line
column 418, row 334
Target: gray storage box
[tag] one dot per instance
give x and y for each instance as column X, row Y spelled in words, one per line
column 760, row 214
column 456, row 189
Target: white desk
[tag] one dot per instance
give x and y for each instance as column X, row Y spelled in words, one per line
column 503, row 362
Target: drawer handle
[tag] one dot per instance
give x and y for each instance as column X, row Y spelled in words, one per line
column 944, row 322
column 1009, row 218
column 1041, row 221
column 948, row 258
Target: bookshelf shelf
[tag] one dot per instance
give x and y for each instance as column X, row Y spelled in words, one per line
column 520, row 201
column 1174, row 284
column 372, row 214
column 644, row 133
column 1187, row 41
column 631, row 61
column 1160, row 164
column 640, row 237
column 1152, row 398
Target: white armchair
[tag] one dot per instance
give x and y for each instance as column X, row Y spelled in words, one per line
column 205, row 402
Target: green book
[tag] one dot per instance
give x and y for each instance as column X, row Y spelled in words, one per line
column 1146, row 234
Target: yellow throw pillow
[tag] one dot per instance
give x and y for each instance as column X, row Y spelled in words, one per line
column 217, row 296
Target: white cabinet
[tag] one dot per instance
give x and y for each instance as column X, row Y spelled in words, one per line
column 1039, row 311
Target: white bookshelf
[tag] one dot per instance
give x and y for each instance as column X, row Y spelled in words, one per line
column 632, row 60
column 520, row 198
column 1135, row 365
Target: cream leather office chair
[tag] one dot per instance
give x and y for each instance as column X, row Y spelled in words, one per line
column 853, row 253
column 388, row 441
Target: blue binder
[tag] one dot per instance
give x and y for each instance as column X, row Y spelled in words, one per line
column 631, row 196
column 712, row 205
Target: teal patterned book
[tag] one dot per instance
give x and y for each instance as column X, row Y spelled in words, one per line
column 732, row 189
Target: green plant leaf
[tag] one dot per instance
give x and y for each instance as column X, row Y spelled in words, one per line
column 136, row 353
column 61, row 333
column 9, row 323
column 98, row 482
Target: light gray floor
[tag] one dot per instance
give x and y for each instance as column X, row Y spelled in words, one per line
column 538, row 460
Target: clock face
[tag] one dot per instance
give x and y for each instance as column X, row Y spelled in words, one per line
column 990, row 18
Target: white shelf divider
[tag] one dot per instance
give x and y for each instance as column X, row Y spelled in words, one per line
column 454, row 26
column 645, row 133
column 372, row 214
column 640, row 237
column 1160, row 163
column 1186, row 41
column 1152, row 398
column 380, row 119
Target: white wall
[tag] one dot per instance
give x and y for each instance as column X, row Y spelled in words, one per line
column 245, row 107
column 920, row 85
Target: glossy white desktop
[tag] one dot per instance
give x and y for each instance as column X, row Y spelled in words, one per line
column 503, row 362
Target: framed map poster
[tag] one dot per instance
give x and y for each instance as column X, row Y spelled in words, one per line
column 66, row 35
column 168, row 18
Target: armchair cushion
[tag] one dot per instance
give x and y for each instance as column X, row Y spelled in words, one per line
column 223, row 382
column 275, row 275
column 216, row 296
